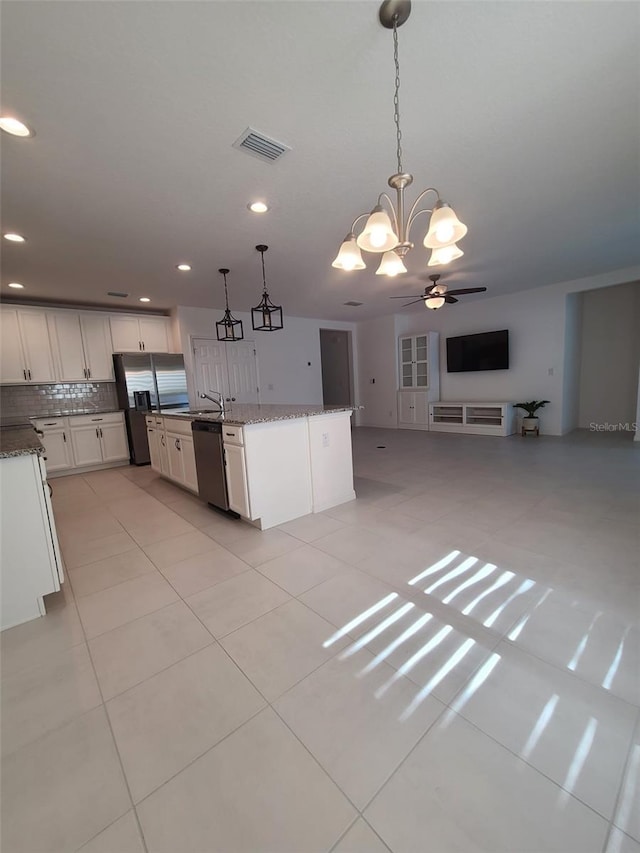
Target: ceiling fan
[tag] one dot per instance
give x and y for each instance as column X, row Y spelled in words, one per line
column 436, row 295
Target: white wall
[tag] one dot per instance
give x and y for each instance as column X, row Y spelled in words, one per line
column 610, row 355
column 289, row 366
column 540, row 321
column 536, row 325
column 377, row 359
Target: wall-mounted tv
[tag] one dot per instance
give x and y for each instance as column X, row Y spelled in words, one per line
column 487, row 351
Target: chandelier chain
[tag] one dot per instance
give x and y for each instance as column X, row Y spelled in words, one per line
column 264, row 279
column 396, row 96
column 226, row 295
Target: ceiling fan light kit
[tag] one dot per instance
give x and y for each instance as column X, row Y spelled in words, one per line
column 389, row 231
column 266, row 317
column 228, row 329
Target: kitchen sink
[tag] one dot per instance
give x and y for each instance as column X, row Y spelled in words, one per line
column 215, row 412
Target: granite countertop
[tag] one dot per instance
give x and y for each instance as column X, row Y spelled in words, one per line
column 241, row 414
column 70, row 414
column 19, row 440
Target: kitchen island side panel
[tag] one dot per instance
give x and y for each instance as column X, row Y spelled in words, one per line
column 278, row 471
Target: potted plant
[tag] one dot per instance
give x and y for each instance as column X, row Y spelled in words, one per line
column 530, row 423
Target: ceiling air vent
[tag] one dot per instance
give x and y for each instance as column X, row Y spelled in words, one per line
column 117, row 293
column 261, row 146
column 354, row 304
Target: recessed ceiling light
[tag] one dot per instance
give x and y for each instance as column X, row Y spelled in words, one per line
column 15, row 238
column 16, row 285
column 184, row 267
column 258, row 207
column 144, row 299
column 14, row 127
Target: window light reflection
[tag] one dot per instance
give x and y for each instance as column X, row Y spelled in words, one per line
column 540, row 726
column 580, row 756
column 582, row 645
column 464, row 566
column 375, row 632
column 484, row 572
column 504, row 578
column 524, row 587
column 390, row 649
column 408, row 665
column 615, row 663
column 359, row 620
column 441, row 564
column 442, row 673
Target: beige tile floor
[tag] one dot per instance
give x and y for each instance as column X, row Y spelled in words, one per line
column 449, row 663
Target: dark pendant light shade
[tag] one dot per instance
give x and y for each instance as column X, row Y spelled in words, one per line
column 266, row 317
column 228, row 329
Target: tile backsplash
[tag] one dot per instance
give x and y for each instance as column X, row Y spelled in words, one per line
column 66, row 398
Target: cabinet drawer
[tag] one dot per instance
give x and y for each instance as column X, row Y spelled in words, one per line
column 150, row 421
column 97, row 419
column 180, row 425
column 45, row 424
column 232, row 435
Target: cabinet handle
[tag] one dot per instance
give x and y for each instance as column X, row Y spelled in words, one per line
column 142, row 342
column 162, row 441
column 88, row 373
column 84, row 371
column 64, row 437
column 49, row 423
column 97, row 419
column 233, row 399
column 97, row 433
column 100, row 432
column 24, row 373
column 29, row 372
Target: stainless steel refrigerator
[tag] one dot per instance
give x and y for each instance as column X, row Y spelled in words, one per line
column 147, row 382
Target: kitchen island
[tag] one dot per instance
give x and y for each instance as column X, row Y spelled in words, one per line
column 281, row 462
column 30, row 564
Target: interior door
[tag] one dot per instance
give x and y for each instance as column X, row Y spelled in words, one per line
column 210, row 359
column 243, row 375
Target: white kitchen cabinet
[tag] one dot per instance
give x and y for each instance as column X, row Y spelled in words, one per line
column 153, row 437
column 82, row 346
column 99, row 439
column 140, row 334
column 236, row 471
column 418, row 380
column 181, row 459
column 26, row 354
column 29, row 551
column 113, row 439
column 164, row 453
column 189, row 463
column 54, row 435
column 413, row 410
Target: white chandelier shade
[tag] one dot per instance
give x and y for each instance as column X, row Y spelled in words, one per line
column 349, row 256
column 391, row 264
column 378, row 234
column 444, row 255
column 444, row 227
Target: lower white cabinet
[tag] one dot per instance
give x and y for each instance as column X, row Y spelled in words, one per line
column 473, row 418
column 153, row 437
column 413, row 410
column 236, row 470
column 180, row 453
column 54, row 434
column 98, row 439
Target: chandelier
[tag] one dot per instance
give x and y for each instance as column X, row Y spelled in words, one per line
column 387, row 232
column 266, row 317
column 228, row 329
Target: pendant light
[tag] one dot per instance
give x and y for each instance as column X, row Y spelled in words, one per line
column 228, row 329
column 387, row 229
column 266, row 317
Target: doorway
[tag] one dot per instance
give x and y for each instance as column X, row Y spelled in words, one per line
column 229, row 368
column 337, row 367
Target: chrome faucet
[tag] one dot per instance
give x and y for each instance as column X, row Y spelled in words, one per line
column 219, row 402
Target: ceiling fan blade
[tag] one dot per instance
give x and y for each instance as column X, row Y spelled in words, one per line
column 412, row 296
column 466, row 290
column 421, row 299
column 450, row 300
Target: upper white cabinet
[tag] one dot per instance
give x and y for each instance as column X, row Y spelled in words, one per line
column 26, row 354
column 140, row 334
column 418, row 380
column 82, row 346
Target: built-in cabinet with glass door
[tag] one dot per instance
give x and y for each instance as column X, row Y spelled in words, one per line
column 419, row 379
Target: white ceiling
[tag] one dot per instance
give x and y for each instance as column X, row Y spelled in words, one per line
column 525, row 115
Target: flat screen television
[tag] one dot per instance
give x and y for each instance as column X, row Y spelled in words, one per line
column 486, row 351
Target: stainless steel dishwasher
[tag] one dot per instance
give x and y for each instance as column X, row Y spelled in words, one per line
column 212, row 481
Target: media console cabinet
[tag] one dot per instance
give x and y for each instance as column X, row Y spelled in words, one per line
column 473, row 418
